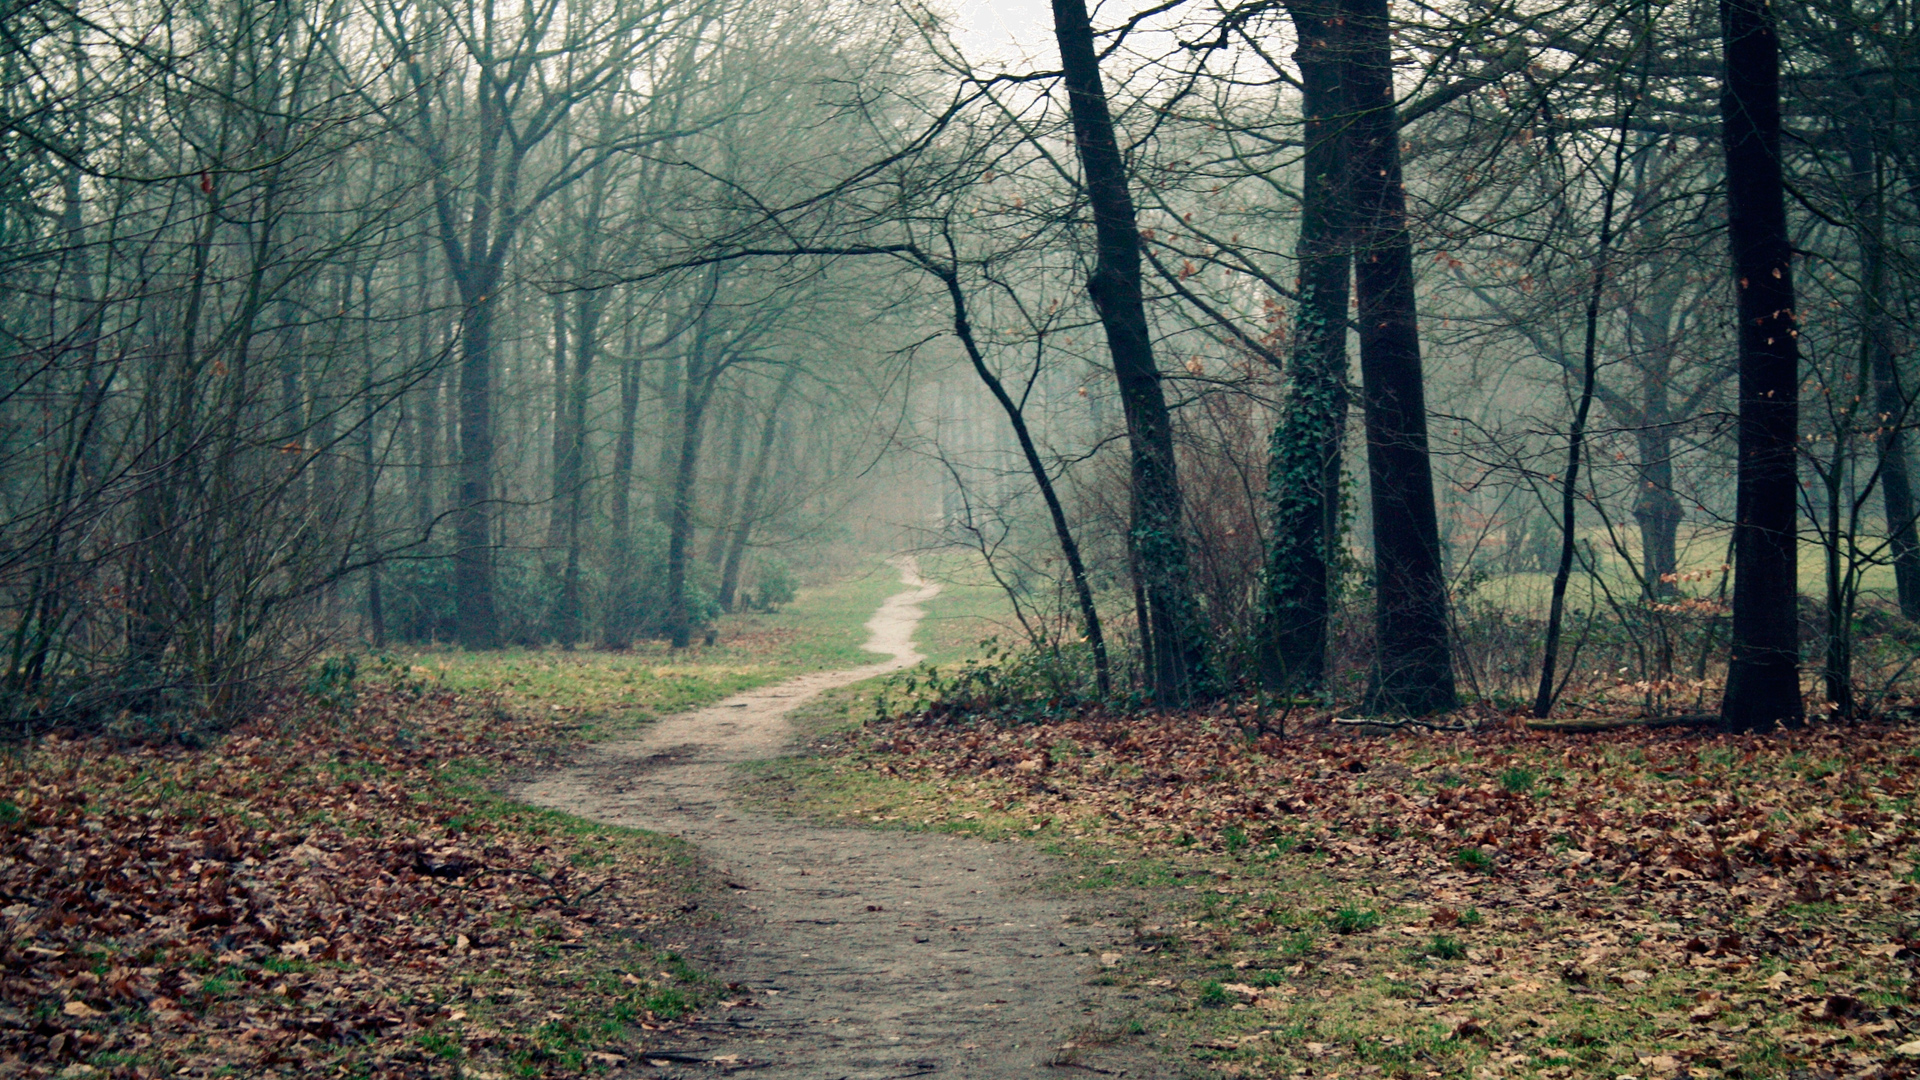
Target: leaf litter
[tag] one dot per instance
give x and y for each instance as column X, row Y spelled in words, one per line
column 1644, row 903
column 325, row 893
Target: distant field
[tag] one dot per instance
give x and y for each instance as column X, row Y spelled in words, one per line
column 1700, row 560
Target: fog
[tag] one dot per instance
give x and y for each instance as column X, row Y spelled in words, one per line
column 576, row 324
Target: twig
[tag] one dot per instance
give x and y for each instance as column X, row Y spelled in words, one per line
column 1398, row 725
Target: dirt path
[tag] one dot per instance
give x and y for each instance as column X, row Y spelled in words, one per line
column 868, row 954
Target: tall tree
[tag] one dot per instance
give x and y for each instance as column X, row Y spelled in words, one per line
column 1177, row 672
column 1303, row 470
column 1763, row 677
column 1413, row 664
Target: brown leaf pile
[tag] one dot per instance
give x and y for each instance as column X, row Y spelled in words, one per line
column 308, row 896
column 1776, row 874
column 1819, row 812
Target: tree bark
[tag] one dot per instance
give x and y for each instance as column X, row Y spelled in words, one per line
column 750, row 499
column 1304, row 453
column 617, row 632
column 1413, row 664
column 1763, row 677
column 1546, row 692
column 572, row 470
column 1892, row 403
column 730, row 480
column 562, row 433
column 702, row 375
column 476, row 621
column 1177, row 673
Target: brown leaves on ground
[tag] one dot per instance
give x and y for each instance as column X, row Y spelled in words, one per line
column 1687, row 904
column 314, row 895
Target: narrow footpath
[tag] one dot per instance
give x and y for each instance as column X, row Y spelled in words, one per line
column 866, row 954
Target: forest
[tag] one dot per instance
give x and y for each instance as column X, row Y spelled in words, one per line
column 344, row 324
column 1399, row 517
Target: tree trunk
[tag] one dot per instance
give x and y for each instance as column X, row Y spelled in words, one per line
column 572, row 470
column 671, row 382
column 1177, row 673
column 1413, row 665
column 701, row 377
column 730, row 479
column 750, row 499
column 1656, row 508
column 1303, row 465
column 1547, row 691
column 618, row 628
column 1892, row 404
column 1763, row 677
column 1069, row 548
column 562, row 430
column 476, row 621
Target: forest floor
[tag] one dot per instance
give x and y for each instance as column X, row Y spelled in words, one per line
column 854, row 953
column 338, row 888
column 1646, row 904
column 342, row 888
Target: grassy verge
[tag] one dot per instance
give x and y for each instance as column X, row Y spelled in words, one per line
column 604, row 694
column 1503, row 904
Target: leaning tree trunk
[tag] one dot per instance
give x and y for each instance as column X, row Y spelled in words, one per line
column 1303, row 464
column 1063, row 533
column 1177, row 672
column 1548, row 690
column 1763, row 677
column 1413, row 665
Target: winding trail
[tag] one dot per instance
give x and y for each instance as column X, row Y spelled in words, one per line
column 868, row 954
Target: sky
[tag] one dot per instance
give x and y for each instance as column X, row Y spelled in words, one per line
column 1004, row 31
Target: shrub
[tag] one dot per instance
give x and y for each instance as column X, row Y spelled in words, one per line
column 773, row 585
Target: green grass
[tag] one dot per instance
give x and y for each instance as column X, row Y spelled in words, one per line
column 970, row 608
column 607, row 693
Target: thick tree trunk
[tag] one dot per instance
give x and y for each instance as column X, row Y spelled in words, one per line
column 1177, row 672
column 476, row 621
column 1304, row 459
column 1763, row 677
column 1413, row 664
column 750, row 499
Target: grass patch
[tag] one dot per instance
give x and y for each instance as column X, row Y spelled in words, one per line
column 605, row 694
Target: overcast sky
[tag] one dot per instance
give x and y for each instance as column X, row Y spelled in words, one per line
column 1004, row 31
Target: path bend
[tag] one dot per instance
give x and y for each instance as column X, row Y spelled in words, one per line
column 869, row 955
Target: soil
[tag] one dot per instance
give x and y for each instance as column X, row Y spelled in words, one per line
column 858, row 954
